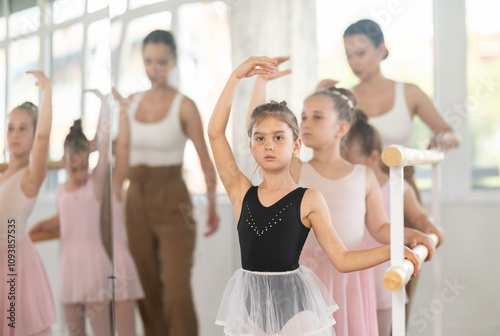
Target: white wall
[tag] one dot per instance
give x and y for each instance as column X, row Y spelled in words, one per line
column 469, row 299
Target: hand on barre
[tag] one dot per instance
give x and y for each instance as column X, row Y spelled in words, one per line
column 414, row 237
column 397, row 277
column 413, row 258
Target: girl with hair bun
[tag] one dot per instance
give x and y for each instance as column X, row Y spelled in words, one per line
column 26, row 298
column 272, row 294
column 362, row 145
column 353, row 198
column 84, row 266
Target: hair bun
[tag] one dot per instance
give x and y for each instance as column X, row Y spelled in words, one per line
column 360, row 116
column 77, row 126
column 29, row 106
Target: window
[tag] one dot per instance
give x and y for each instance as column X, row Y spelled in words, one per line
column 204, row 65
column 132, row 77
column 63, row 10
column 483, row 100
column 66, row 83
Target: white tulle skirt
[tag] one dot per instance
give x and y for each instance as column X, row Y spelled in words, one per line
column 294, row 303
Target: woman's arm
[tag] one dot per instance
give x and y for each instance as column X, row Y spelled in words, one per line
column 234, row 181
column 37, row 168
column 420, row 104
column 318, row 216
column 193, row 128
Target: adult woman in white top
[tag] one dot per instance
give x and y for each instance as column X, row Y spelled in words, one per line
column 389, row 105
column 161, row 230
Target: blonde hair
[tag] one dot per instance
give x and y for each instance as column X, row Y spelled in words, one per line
column 344, row 101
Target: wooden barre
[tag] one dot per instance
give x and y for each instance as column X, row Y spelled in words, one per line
column 399, row 156
column 398, row 276
column 53, row 165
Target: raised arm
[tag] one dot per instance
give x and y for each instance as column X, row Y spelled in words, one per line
column 37, row 168
column 103, row 129
column 259, row 90
column 232, row 178
column 122, row 146
column 193, row 128
column 317, row 215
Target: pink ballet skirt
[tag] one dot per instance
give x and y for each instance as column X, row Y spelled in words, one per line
column 84, row 266
column 34, row 305
column 281, row 303
column 127, row 284
column 353, row 292
column 32, row 297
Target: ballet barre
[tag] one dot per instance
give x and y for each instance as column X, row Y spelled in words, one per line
column 396, row 158
column 397, row 277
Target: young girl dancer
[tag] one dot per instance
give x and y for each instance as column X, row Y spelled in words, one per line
column 362, row 145
column 84, row 287
column 26, row 298
column 353, row 198
column 272, row 294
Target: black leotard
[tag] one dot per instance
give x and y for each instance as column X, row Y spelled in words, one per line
column 271, row 238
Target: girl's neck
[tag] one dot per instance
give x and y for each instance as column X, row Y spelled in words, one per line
column 327, row 155
column 277, row 181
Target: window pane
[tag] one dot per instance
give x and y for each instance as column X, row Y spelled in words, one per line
column 64, row 10
column 2, row 104
column 95, row 5
column 23, row 56
column 66, row 82
column 3, row 28
column 115, row 37
column 24, row 22
column 408, row 32
column 132, row 75
column 117, row 7
column 483, row 99
column 204, row 51
column 97, row 74
column 140, row 3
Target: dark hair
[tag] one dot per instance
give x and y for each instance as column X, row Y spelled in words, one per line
column 368, row 28
column 366, row 134
column 76, row 142
column 344, row 101
column 276, row 110
column 161, row 36
column 32, row 111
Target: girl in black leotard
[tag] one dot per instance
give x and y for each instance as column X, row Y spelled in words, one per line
column 272, row 294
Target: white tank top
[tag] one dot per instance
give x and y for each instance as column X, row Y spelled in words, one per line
column 346, row 200
column 395, row 126
column 160, row 143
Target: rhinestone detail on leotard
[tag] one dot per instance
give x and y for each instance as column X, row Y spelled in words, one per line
column 273, row 221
